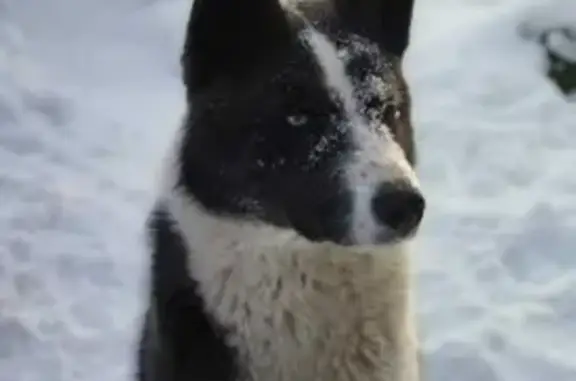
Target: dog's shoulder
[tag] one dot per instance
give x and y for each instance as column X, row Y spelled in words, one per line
column 177, row 329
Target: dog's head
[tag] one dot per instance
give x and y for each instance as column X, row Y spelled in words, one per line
column 300, row 117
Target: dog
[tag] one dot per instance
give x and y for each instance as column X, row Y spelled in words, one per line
column 281, row 235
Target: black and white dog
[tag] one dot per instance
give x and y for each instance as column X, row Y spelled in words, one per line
column 280, row 240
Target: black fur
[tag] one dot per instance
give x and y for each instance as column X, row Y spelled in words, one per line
column 228, row 39
column 179, row 342
column 386, row 22
column 260, row 109
column 243, row 156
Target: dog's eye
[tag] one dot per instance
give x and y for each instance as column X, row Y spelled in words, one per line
column 391, row 114
column 378, row 109
column 297, row 120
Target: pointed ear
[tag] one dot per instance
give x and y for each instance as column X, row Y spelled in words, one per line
column 385, row 21
column 226, row 37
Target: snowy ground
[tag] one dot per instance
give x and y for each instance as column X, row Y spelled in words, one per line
column 89, row 97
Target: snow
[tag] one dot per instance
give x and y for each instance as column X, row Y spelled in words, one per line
column 89, row 98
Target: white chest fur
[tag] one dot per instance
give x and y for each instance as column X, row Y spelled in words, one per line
column 300, row 311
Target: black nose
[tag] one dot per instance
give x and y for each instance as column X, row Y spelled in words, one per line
column 400, row 208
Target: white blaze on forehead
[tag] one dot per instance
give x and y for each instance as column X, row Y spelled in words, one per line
column 337, row 80
column 334, row 71
column 376, row 159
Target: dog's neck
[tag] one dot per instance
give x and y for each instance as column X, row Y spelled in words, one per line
column 297, row 310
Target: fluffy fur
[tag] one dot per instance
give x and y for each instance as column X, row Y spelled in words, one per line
column 276, row 252
column 299, row 310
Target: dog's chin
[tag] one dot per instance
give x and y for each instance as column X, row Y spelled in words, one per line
column 381, row 239
column 390, row 237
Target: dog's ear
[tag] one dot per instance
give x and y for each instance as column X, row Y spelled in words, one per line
column 227, row 37
column 385, row 21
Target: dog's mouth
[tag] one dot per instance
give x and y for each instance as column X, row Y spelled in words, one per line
column 390, row 237
column 382, row 238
